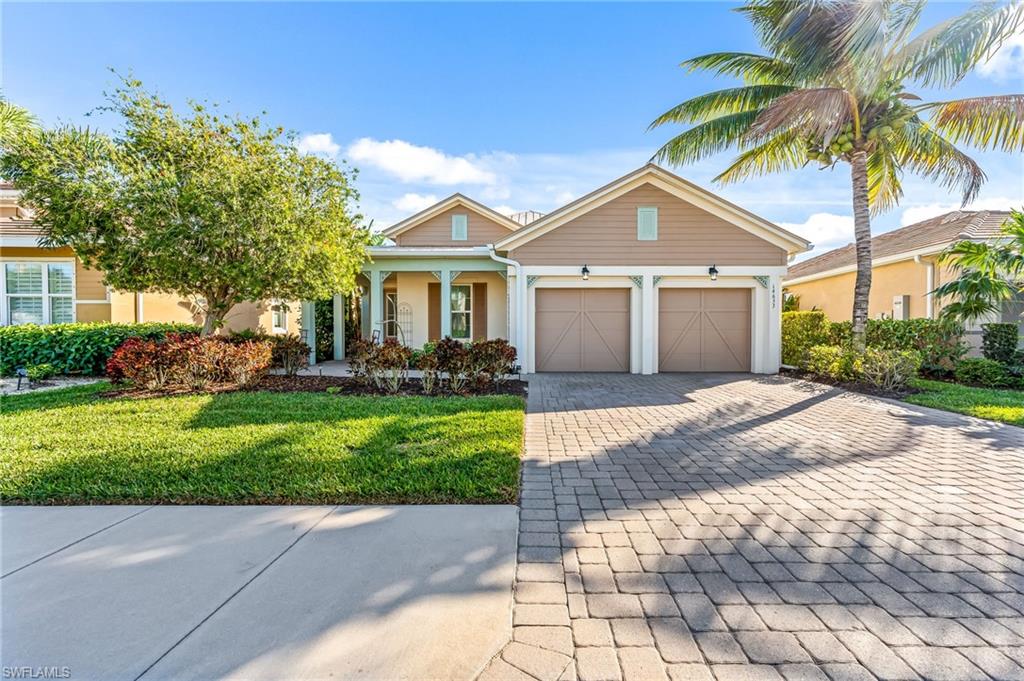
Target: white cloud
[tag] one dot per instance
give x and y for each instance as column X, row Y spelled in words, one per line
column 825, row 230
column 505, row 210
column 414, row 203
column 319, row 143
column 412, row 163
column 1007, row 63
column 930, row 210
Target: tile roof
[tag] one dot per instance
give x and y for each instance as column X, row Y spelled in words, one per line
column 976, row 225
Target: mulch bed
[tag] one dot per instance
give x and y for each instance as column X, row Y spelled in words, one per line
column 338, row 385
column 863, row 388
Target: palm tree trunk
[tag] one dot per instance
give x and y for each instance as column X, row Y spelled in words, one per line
column 862, row 234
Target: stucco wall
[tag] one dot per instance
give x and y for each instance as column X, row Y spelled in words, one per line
column 834, row 295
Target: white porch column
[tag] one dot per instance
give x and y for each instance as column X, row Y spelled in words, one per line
column 376, row 304
column 773, row 360
column 647, row 325
column 522, row 325
column 446, row 303
column 339, row 326
column 764, row 325
column 308, row 319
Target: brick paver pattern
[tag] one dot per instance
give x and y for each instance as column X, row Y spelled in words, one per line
column 693, row 527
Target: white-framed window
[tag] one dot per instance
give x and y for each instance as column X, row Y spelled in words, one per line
column 462, row 312
column 38, row 292
column 391, row 314
column 460, row 227
column 647, row 223
column 279, row 317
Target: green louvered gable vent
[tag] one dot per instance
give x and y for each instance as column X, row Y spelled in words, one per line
column 647, row 223
column 460, row 227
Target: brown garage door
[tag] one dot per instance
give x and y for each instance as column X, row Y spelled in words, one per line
column 704, row 329
column 582, row 329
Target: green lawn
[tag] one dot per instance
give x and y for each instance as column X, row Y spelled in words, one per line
column 999, row 405
column 72, row 446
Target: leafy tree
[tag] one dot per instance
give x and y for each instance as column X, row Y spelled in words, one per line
column 990, row 273
column 219, row 208
column 14, row 121
column 833, row 88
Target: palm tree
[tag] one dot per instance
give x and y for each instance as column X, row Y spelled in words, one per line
column 14, row 120
column 833, row 88
column 990, row 272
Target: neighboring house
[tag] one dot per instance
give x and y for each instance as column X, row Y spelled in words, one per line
column 50, row 285
column 904, row 271
column 649, row 273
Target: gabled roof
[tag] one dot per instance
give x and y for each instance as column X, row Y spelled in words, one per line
column 933, row 234
column 446, row 204
column 671, row 183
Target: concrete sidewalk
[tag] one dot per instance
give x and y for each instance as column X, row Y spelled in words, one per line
column 256, row 592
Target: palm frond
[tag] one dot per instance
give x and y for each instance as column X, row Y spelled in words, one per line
column 885, row 187
column 713, row 104
column 707, row 138
column 819, row 112
column 14, row 120
column 753, row 68
column 945, row 53
column 804, row 32
column 995, row 122
column 925, row 152
column 780, row 153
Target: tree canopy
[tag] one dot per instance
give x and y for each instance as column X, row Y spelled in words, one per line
column 219, row 208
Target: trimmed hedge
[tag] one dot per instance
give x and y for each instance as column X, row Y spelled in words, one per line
column 999, row 342
column 939, row 341
column 74, row 348
column 801, row 331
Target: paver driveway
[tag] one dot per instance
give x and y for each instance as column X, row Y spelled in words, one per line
column 736, row 527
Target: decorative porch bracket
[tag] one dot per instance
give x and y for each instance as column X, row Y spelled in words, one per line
column 531, row 279
column 638, row 281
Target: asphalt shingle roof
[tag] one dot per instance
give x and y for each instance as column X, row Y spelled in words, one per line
column 976, row 225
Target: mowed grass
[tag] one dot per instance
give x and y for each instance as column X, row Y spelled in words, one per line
column 1006, row 406
column 72, row 446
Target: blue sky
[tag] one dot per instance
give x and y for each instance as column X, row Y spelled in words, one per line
column 523, row 106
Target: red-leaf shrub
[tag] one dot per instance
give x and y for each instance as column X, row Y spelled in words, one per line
column 492, row 360
column 189, row 361
column 391, row 364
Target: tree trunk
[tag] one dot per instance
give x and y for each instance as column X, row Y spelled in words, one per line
column 862, row 234
column 213, row 317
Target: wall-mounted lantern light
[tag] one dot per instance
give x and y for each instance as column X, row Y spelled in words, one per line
column 586, row 273
column 713, row 273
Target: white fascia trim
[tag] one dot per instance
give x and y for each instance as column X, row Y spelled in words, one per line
column 22, row 241
column 428, row 252
column 875, row 262
column 679, row 188
column 655, row 270
column 445, row 204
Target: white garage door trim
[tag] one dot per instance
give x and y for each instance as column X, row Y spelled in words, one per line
column 530, row 365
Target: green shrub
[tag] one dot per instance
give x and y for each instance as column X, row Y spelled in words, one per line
column 939, row 341
column 890, row 370
column 800, row 332
column 74, row 348
column 984, row 372
column 40, row 372
column 834, row 362
column 999, row 342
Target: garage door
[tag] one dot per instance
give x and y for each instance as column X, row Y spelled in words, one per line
column 703, row 329
column 582, row 329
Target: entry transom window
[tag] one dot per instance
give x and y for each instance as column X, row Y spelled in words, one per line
column 39, row 292
column 462, row 312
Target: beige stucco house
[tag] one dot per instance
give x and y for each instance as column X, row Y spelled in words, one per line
column 42, row 285
column 647, row 274
column 905, row 270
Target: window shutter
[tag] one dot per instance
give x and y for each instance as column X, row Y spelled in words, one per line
column 460, row 227
column 479, row 311
column 647, row 223
column 433, row 311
